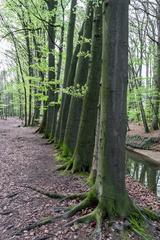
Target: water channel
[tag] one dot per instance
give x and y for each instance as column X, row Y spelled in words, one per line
column 143, row 170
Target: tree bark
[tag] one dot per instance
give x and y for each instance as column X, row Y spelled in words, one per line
column 112, row 194
column 80, row 78
column 52, row 5
column 70, row 82
column 69, row 52
column 59, row 66
column 155, row 120
column 83, row 154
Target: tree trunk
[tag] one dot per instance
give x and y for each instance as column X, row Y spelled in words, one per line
column 155, row 121
column 110, row 181
column 69, row 52
column 23, row 80
column 40, row 73
column 70, row 82
column 80, row 79
column 86, row 134
column 96, row 154
column 59, row 66
column 52, row 6
column 30, row 72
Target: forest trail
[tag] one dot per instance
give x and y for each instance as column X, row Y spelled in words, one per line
column 25, row 158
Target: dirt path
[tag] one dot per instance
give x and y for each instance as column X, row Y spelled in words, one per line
column 26, row 159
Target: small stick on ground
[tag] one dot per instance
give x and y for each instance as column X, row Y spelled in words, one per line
column 44, row 237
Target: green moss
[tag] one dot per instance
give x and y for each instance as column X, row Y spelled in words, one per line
column 92, row 178
column 60, row 157
column 151, row 215
column 66, row 151
column 92, row 195
column 82, row 174
column 139, row 226
column 124, row 235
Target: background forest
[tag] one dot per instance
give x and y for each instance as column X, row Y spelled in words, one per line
column 41, row 38
column 85, row 74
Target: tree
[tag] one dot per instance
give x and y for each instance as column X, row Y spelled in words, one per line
column 80, row 79
column 156, row 105
column 83, row 154
column 109, row 192
column 52, row 7
column 60, row 126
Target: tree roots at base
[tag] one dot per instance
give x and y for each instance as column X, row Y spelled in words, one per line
column 138, row 218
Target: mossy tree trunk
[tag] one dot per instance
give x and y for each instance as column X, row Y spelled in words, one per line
column 40, row 73
column 93, row 172
column 80, row 79
column 109, row 191
column 31, row 74
column 156, row 120
column 83, row 154
column 110, row 182
column 52, row 6
column 59, row 67
column 69, row 52
column 70, row 82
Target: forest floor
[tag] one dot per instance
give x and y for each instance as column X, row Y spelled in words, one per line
column 26, row 159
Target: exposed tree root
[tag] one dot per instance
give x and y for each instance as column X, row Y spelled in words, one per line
column 53, row 195
column 51, row 141
column 67, row 166
column 80, row 196
column 96, row 215
column 60, row 209
column 84, row 219
column 61, row 167
column 48, row 194
column 138, row 218
column 42, row 222
column 87, row 202
column 37, row 130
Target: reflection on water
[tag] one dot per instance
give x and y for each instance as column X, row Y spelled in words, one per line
column 143, row 171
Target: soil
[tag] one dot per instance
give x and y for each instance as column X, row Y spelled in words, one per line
column 27, row 159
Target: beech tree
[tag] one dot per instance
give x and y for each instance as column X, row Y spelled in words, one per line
column 61, row 124
column 52, row 6
column 86, row 79
column 80, row 79
column 83, row 154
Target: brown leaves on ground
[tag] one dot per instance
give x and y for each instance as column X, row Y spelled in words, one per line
column 26, row 159
column 142, row 195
